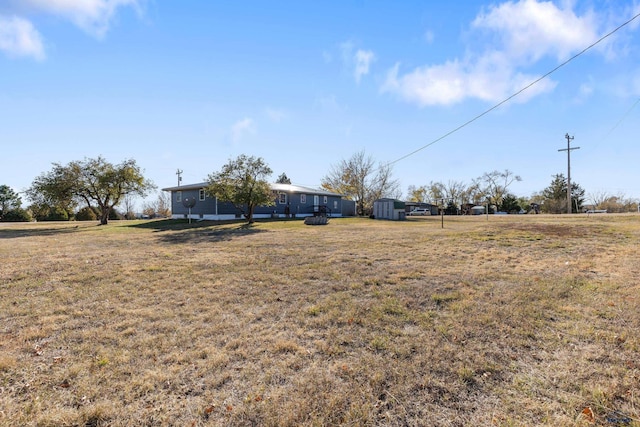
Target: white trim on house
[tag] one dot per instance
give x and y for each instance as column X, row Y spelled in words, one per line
column 212, row 217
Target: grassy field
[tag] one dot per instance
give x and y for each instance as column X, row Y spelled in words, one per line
column 510, row 321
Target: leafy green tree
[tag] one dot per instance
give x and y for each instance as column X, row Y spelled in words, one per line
column 510, row 204
column 555, row 196
column 9, row 200
column 243, row 182
column 360, row 180
column 451, row 208
column 17, row 215
column 524, row 203
column 57, row 214
column 87, row 181
column 283, row 179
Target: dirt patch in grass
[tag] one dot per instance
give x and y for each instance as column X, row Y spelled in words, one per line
column 515, row 321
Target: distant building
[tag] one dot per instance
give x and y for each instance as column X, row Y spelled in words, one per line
column 478, row 210
column 389, row 209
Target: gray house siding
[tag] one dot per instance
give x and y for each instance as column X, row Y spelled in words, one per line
column 300, row 201
column 201, row 207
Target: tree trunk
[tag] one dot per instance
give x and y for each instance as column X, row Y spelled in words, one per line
column 250, row 214
column 104, row 217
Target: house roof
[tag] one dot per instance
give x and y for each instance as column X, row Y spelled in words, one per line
column 196, row 186
column 292, row 188
column 288, row 188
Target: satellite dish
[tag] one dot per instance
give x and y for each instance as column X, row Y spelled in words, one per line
column 189, row 202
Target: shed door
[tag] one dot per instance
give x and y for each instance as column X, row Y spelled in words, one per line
column 316, row 203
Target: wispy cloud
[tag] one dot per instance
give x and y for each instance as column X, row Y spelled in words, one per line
column 518, row 34
column 92, row 16
column 429, row 36
column 18, row 37
column 359, row 60
column 363, row 59
column 329, row 103
column 242, row 128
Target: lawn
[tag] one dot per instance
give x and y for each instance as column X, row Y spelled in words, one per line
column 505, row 321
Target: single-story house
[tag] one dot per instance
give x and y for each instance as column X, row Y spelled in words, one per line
column 290, row 199
column 389, row 209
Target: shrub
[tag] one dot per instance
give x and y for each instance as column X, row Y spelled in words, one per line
column 57, row 214
column 17, row 215
column 114, row 214
column 86, row 214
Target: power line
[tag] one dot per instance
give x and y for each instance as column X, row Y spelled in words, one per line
column 484, row 113
column 624, row 116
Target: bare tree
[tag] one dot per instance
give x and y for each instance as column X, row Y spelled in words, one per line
column 417, row 194
column 454, row 191
column 495, row 185
column 164, row 205
column 128, row 205
column 473, row 194
column 383, row 184
column 617, row 204
column 358, row 179
column 435, row 192
column 160, row 207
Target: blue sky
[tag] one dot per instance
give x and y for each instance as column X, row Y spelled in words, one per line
column 190, row 84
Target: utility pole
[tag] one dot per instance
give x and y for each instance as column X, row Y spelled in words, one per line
column 179, row 173
column 568, row 150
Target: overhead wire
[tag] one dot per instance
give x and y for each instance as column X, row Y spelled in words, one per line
column 509, row 98
column 622, row 119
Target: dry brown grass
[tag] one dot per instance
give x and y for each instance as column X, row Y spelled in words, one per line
column 515, row 321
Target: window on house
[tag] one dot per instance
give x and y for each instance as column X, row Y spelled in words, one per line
column 325, row 200
column 335, row 205
column 201, row 194
column 282, row 198
column 178, row 196
column 303, row 198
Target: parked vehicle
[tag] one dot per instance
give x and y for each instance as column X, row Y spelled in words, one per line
column 420, row 211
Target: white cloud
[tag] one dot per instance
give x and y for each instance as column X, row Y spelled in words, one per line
column 18, row 37
column 520, row 34
column 360, row 60
column 241, row 128
column 531, row 29
column 363, row 59
column 93, row 16
column 454, row 81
